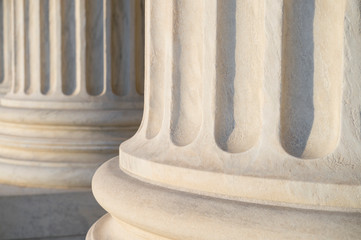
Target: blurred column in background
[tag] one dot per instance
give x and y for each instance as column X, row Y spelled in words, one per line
column 6, row 42
column 76, row 69
column 72, row 71
column 251, row 125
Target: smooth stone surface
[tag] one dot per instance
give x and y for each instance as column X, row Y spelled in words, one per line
column 34, row 213
column 141, row 210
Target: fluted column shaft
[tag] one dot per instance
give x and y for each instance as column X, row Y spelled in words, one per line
column 6, row 43
column 244, row 101
column 76, row 74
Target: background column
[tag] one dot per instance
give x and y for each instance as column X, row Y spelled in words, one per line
column 6, row 44
column 76, row 73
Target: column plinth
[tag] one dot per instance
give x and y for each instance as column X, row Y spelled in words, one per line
column 250, row 127
column 76, row 89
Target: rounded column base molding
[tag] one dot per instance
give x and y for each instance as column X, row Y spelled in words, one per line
column 109, row 228
column 60, row 148
column 139, row 210
column 78, row 117
column 272, row 191
column 47, row 175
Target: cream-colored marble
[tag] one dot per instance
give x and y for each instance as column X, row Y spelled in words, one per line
column 5, row 45
column 76, row 76
column 251, row 125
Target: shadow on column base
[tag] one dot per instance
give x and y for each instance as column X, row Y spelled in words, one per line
column 139, row 210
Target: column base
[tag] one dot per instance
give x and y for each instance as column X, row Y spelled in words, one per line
column 59, row 148
column 139, row 210
column 109, row 228
column 46, row 175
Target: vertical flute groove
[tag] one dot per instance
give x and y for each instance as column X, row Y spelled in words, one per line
column 240, row 54
column 158, row 60
column 2, row 30
column 94, row 47
column 139, row 45
column 68, row 46
column 44, row 47
column 312, row 76
column 27, row 78
column 8, row 48
column 107, row 17
column 121, row 44
column 186, row 116
column 80, row 53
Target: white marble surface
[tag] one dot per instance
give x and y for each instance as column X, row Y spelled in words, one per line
column 251, row 125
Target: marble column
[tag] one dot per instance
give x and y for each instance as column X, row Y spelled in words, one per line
column 251, row 125
column 5, row 45
column 76, row 73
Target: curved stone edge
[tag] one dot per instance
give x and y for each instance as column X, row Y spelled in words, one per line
column 108, row 227
column 285, row 192
column 72, row 102
column 48, row 175
column 179, row 215
column 71, row 117
column 70, row 144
